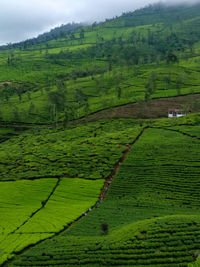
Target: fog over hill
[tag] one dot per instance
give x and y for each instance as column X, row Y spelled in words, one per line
column 22, row 19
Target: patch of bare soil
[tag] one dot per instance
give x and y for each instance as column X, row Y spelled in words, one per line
column 156, row 108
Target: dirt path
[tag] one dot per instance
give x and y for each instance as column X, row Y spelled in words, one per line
column 118, row 165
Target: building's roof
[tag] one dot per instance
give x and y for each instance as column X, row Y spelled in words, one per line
column 174, row 110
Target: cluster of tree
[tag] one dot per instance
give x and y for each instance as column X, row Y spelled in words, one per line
column 160, row 13
column 8, row 90
column 139, row 48
column 54, row 34
column 58, row 103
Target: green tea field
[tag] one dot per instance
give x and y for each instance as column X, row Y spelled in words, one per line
column 93, row 171
column 151, row 210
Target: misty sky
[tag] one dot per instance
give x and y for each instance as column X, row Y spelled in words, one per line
column 22, row 19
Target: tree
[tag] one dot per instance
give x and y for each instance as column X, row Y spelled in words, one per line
column 16, row 113
column 29, row 95
column 104, row 228
column 82, row 34
column 119, row 92
column 66, row 120
column 171, row 58
column 1, row 116
column 72, row 36
column 80, row 97
column 19, row 91
column 87, row 108
column 57, row 100
column 6, row 92
column 152, row 80
column 61, row 85
column 8, row 60
column 31, row 108
column 179, row 83
column 148, row 92
column 150, row 86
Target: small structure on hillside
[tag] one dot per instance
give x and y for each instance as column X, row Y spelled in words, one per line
column 172, row 113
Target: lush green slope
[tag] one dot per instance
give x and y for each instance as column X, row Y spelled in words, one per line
column 35, row 210
column 159, row 178
column 87, row 151
column 50, row 176
column 153, row 181
column 124, row 60
column 168, row 241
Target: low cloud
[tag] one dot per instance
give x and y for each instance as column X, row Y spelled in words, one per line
column 22, row 19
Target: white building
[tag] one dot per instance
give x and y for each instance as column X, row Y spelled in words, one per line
column 176, row 113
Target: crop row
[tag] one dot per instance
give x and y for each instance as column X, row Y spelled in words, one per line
column 85, row 151
column 113, row 251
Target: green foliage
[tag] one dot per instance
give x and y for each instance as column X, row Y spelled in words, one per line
column 18, row 201
column 25, row 221
column 196, row 264
column 90, row 60
column 152, row 182
column 87, row 151
column 155, row 242
column 150, row 214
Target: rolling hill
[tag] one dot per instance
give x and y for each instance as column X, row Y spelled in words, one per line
column 92, row 171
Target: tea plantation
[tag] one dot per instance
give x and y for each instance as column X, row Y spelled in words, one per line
column 38, row 197
column 86, row 151
column 167, row 241
column 128, row 59
column 78, row 188
column 159, row 179
column 38, row 209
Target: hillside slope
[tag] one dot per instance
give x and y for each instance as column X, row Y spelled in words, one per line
column 150, row 211
column 85, row 179
column 150, row 53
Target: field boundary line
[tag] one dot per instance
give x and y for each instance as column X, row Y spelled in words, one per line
column 44, row 203
column 104, row 190
column 177, row 131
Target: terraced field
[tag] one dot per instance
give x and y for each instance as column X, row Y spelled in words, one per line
column 114, row 192
column 35, row 210
column 86, row 151
column 37, row 206
column 159, row 179
column 113, row 64
column 169, row 241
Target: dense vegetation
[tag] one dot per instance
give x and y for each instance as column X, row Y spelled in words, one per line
column 111, row 192
column 86, row 151
column 167, row 241
column 124, row 60
column 152, row 182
